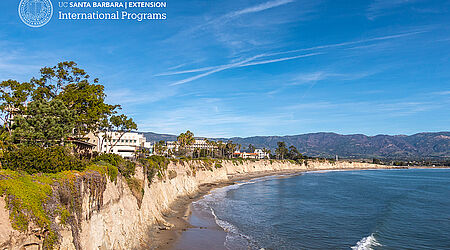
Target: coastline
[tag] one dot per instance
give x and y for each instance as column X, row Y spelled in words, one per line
column 163, row 237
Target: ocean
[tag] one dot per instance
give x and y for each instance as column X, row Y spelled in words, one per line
column 366, row 209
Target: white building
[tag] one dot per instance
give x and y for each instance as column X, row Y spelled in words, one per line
column 261, row 154
column 198, row 144
column 125, row 145
column 201, row 144
column 258, row 154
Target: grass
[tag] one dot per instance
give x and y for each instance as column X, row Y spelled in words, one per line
column 37, row 198
column 137, row 189
column 26, row 195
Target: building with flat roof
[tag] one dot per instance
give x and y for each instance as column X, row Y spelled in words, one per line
column 126, row 145
column 198, row 144
column 257, row 154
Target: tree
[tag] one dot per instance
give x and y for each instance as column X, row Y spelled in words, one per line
column 160, row 147
column 251, row 148
column 293, row 153
column 72, row 85
column 267, row 151
column 230, row 147
column 40, row 109
column 44, row 123
column 13, row 98
column 221, row 148
column 120, row 124
column 185, row 139
column 281, row 151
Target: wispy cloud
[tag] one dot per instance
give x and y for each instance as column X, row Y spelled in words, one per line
column 257, row 8
column 382, row 7
column 244, row 63
column 311, row 77
column 130, row 97
column 321, row 47
column 230, row 30
column 249, row 10
column 170, row 73
column 369, row 108
column 335, row 45
column 278, row 59
column 215, row 70
column 213, row 117
column 221, row 20
column 442, row 92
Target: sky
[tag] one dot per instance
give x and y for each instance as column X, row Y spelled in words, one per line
column 227, row 68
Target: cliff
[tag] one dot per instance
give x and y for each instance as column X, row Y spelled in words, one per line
column 110, row 216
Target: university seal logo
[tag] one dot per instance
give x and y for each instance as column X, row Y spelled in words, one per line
column 35, row 13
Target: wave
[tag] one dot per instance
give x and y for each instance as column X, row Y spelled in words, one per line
column 367, row 243
column 234, row 239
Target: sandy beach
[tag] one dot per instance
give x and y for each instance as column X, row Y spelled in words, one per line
column 192, row 230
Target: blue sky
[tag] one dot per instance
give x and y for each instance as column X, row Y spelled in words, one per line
column 257, row 67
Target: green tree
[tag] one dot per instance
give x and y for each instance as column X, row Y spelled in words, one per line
column 185, row 139
column 13, row 98
column 60, row 90
column 251, row 148
column 160, row 147
column 267, row 151
column 221, row 148
column 230, row 147
column 281, row 151
column 293, row 153
column 74, row 87
column 119, row 124
column 44, row 123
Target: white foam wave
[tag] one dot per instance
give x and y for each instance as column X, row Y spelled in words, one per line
column 234, row 239
column 366, row 243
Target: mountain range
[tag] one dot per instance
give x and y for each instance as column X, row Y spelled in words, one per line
column 324, row 144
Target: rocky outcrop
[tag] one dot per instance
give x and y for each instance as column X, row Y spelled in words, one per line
column 118, row 222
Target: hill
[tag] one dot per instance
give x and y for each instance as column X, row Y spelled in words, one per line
column 421, row 145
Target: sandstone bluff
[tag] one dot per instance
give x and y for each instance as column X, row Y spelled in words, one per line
column 111, row 217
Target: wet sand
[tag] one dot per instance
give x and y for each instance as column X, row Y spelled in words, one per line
column 194, row 229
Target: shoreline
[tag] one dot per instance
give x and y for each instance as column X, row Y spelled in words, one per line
column 164, row 237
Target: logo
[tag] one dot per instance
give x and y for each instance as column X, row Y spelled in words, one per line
column 35, row 13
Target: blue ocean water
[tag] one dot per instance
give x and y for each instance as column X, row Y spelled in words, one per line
column 370, row 209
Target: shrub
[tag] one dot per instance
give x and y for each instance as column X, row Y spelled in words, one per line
column 137, row 189
column 106, row 169
column 112, row 172
column 113, row 159
column 33, row 159
column 127, row 168
column 156, row 165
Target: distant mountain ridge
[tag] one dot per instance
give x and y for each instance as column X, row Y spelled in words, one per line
column 324, row 144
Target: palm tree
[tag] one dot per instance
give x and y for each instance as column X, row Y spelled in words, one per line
column 186, row 139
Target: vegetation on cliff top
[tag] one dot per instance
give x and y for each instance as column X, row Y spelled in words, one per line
column 37, row 201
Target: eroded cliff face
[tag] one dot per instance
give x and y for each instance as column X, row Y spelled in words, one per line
column 118, row 222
